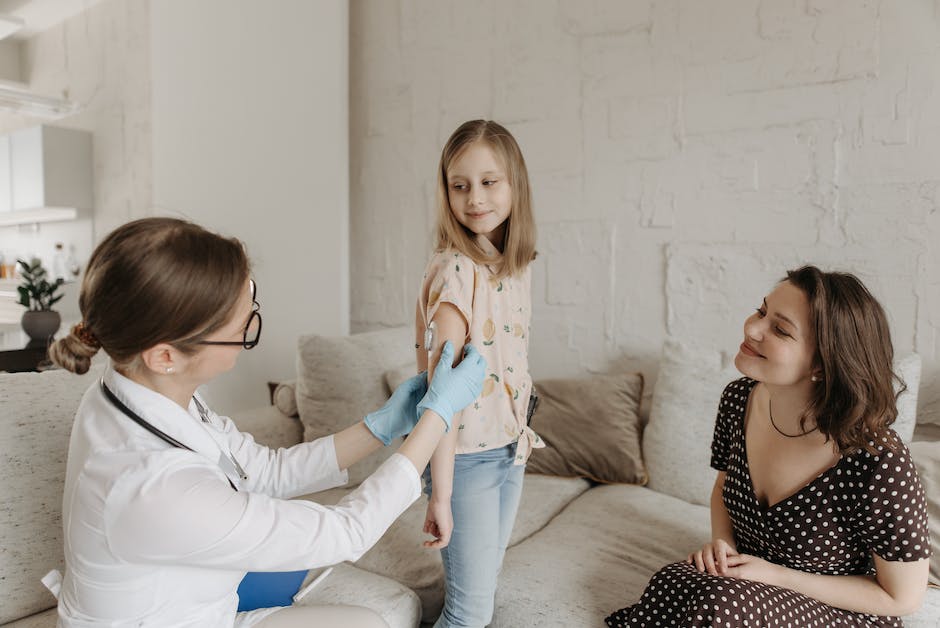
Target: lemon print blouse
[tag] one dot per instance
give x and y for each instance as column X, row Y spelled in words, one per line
column 497, row 312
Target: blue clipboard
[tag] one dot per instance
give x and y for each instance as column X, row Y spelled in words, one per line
column 264, row 589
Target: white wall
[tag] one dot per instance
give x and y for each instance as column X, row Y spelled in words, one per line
column 683, row 155
column 99, row 58
column 250, row 118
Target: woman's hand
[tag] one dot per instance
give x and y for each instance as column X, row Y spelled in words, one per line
column 439, row 522
column 713, row 557
column 399, row 414
column 747, row 567
column 454, row 388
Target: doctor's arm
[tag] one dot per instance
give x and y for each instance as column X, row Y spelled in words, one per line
column 185, row 512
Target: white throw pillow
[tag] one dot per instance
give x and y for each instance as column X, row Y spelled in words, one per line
column 340, row 379
column 677, row 440
column 908, row 369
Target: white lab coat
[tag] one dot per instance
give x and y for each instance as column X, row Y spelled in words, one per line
column 155, row 535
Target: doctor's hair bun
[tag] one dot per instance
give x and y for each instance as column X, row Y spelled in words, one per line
column 72, row 353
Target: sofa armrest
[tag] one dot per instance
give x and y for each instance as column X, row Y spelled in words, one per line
column 269, row 426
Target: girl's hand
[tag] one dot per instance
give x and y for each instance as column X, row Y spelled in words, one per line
column 713, row 557
column 747, row 567
column 439, row 523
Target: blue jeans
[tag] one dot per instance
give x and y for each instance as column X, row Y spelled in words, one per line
column 487, row 488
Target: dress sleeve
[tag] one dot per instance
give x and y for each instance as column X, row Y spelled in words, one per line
column 893, row 519
column 730, row 412
column 449, row 278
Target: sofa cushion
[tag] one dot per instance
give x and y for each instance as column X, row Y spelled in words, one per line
column 395, row 377
column 908, row 369
column 269, row 426
column 45, row 619
column 591, row 428
column 340, row 380
column 677, row 440
column 926, row 456
column 399, row 554
column 596, row 556
column 350, row 586
column 36, row 415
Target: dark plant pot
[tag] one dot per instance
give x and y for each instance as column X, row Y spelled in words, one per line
column 41, row 325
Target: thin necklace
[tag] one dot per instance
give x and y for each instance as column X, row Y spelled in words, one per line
column 770, row 411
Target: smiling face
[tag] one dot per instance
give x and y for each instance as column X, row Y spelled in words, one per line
column 479, row 192
column 779, row 345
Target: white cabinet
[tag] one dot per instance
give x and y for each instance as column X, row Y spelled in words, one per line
column 47, row 175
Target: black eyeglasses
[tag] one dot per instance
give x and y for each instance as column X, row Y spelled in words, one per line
column 252, row 328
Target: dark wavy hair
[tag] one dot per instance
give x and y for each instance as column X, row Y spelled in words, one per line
column 854, row 400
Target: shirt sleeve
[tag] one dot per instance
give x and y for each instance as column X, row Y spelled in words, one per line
column 449, row 278
column 180, row 511
column 894, row 510
column 287, row 472
column 730, row 409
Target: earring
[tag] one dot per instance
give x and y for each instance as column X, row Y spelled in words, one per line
column 813, row 378
column 169, row 370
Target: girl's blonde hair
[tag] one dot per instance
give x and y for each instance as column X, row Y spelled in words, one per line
column 151, row 281
column 519, row 239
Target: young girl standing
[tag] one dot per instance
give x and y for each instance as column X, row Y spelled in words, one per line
column 477, row 288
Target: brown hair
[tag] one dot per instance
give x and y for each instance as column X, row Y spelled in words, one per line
column 854, row 401
column 519, row 239
column 151, row 281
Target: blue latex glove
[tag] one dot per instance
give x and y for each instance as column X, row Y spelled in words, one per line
column 398, row 416
column 454, row 388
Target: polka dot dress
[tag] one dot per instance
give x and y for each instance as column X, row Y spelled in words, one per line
column 865, row 503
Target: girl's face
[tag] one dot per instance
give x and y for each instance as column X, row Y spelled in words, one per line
column 479, row 193
column 779, row 343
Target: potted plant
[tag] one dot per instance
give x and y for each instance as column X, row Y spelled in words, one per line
column 40, row 321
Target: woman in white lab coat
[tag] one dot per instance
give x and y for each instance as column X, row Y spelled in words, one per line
column 166, row 503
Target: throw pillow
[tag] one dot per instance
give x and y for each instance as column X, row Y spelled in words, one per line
column 908, row 369
column 340, row 379
column 591, row 428
column 927, row 458
column 677, row 440
column 396, row 377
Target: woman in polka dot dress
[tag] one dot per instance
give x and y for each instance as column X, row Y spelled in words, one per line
column 818, row 516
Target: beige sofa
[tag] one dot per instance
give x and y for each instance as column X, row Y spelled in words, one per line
column 578, row 551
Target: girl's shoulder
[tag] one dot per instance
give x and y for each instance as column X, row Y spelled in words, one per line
column 448, row 261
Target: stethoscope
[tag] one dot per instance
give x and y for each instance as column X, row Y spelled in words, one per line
column 139, row 420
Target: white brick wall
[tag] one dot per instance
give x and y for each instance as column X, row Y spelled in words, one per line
column 683, row 155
